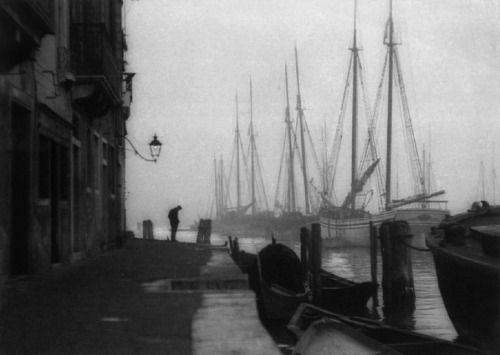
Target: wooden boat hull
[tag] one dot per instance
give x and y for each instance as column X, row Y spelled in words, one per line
column 276, row 279
column 398, row 341
column 355, row 232
column 469, row 282
column 348, row 298
column 279, row 303
column 329, row 336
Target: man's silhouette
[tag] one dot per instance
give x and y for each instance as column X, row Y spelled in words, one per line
column 173, row 216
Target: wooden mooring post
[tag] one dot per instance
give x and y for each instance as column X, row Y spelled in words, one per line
column 373, row 260
column 147, row 229
column 397, row 273
column 236, row 251
column 204, row 231
column 316, row 262
column 305, row 247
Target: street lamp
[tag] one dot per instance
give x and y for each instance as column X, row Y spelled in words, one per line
column 154, row 148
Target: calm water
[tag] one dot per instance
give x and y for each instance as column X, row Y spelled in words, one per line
column 429, row 316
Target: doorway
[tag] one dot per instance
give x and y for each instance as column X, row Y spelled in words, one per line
column 20, row 189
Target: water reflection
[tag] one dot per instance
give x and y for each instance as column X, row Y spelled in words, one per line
column 426, row 315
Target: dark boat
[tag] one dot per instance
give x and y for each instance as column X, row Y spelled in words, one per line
column 278, row 280
column 343, row 295
column 394, row 340
column 465, row 248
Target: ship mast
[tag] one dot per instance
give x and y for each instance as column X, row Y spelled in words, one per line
column 221, row 188
column 217, row 201
column 302, row 141
column 238, row 182
column 252, row 149
column 390, row 45
column 354, row 152
column 291, row 177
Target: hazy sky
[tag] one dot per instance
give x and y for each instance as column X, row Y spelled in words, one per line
column 192, row 57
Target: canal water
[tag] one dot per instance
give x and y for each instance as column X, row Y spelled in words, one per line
column 429, row 315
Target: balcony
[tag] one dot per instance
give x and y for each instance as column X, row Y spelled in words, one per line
column 94, row 63
column 23, row 23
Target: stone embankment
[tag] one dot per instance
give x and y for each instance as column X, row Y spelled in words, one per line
column 149, row 297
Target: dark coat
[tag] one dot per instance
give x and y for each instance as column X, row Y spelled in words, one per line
column 173, row 216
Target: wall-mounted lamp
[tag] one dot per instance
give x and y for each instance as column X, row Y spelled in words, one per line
column 154, row 148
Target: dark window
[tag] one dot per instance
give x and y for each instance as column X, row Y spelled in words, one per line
column 96, row 164
column 63, row 172
column 90, row 160
column 44, row 168
column 111, row 165
column 76, row 127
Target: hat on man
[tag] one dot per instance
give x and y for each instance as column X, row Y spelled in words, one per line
column 179, row 207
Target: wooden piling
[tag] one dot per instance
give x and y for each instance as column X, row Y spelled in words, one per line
column 305, row 243
column 204, row 231
column 147, row 229
column 231, row 251
column 397, row 273
column 236, row 248
column 373, row 260
column 199, row 236
column 208, row 231
column 316, row 262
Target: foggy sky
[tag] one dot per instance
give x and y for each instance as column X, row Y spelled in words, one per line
column 192, row 57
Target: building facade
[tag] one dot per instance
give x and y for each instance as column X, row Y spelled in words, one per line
column 64, row 101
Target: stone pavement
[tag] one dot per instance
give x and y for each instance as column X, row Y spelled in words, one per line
column 150, row 297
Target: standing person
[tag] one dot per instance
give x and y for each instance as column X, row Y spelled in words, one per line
column 173, row 216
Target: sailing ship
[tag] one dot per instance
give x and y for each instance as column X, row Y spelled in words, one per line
column 348, row 224
column 230, row 218
column 286, row 207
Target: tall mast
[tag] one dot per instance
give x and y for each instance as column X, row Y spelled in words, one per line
column 252, row 146
column 354, row 152
column 493, row 175
column 217, row 199
column 238, row 182
column 221, row 188
column 483, row 196
column 390, row 45
column 291, row 177
column 325, row 163
column 302, row 141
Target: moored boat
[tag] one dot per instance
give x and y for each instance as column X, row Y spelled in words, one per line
column 280, row 286
column 329, row 336
column 256, row 212
column 354, row 232
column 348, row 224
column 393, row 340
column 466, row 256
column 288, row 214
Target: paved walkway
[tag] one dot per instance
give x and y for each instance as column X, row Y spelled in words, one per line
column 150, row 297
